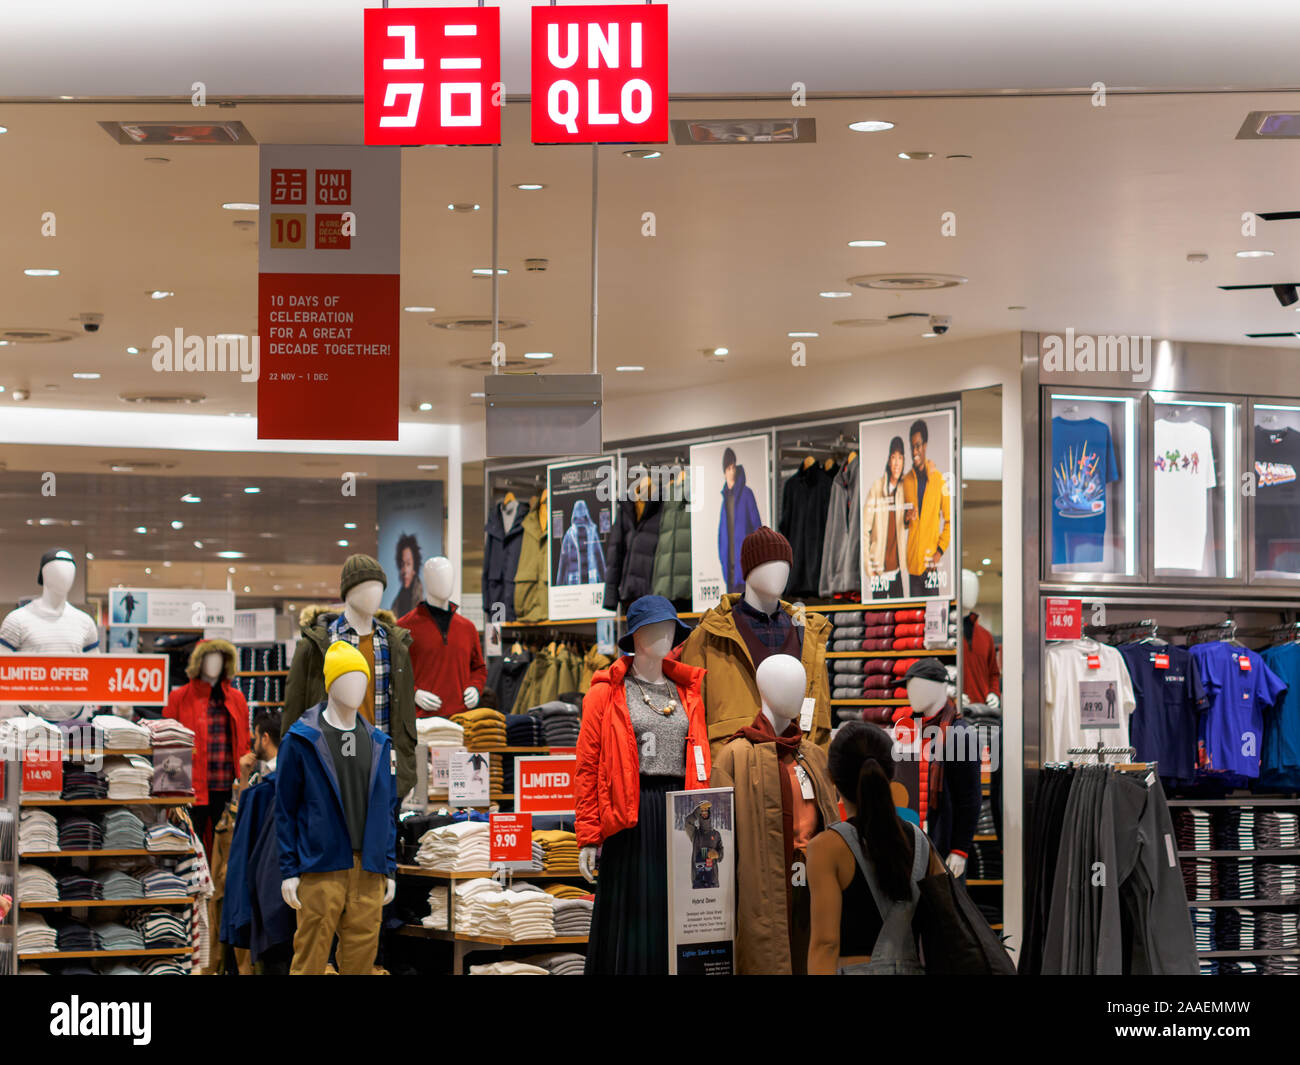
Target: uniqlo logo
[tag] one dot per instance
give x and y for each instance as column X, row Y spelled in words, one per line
column 333, row 188
column 433, row 75
column 289, row 186
column 600, row 74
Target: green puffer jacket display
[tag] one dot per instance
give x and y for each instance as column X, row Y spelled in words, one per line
column 672, row 572
column 531, row 579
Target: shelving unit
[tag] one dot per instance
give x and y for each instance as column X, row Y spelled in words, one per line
column 130, row 853
column 53, row 955
column 72, row 904
column 150, row 801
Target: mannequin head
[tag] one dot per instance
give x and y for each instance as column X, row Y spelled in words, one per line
column 781, row 685
column 970, row 590
column 347, row 676
column 437, row 578
column 57, row 575
column 927, row 697
column 213, row 663
column 654, row 641
column 349, row 690
column 365, row 597
column 768, row 580
column 765, row 561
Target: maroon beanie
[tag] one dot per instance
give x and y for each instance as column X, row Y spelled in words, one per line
column 764, row 545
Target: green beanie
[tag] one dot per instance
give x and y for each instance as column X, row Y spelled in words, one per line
column 360, row 568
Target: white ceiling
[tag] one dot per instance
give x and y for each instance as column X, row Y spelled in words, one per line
column 243, row 47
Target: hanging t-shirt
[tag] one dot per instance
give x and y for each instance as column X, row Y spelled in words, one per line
column 1277, row 500
column 1281, row 761
column 1088, row 696
column 1170, row 699
column 1241, row 688
column 1083, row 463
column 1184, row 472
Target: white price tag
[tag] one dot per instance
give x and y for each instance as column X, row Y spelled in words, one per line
column 805, row 782
column 1098, row 704
column 700, row 775
column 806, row 714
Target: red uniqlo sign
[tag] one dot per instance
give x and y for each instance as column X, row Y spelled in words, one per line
column 510, row 838
column 1063, row 619
column 433, row 75
column 42, row 771
column 545, row 785
column 600, row 74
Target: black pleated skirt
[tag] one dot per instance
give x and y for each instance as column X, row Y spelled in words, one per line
column 629, row 922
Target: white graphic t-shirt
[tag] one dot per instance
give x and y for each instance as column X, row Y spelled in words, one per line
column 1184, row 472
column 34, row 629
column 1086, row 705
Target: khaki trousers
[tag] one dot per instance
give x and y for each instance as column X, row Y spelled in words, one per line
column 349, row 902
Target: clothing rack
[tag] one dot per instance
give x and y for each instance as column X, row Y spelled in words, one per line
column 1123, row 627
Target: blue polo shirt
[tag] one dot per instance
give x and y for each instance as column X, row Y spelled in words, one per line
column 1232, row 730
column 1170, row 699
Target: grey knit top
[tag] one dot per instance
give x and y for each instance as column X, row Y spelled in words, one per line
column 660, row 740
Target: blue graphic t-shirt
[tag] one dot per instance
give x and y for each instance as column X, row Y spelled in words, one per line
column 1240, row 693
column 1083, row 463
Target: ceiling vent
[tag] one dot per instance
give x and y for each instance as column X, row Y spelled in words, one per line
column 907, row 282
column 179, row 134
column 163, row 399
column 20, row 335
column 745, row 131
column 476, row 324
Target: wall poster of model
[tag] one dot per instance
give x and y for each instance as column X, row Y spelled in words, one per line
column 410, row 532
column 909, row 490
column 701, row 882
column 730, row 500
column 581, row 499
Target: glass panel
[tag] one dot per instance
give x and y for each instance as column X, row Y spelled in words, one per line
column 1195, row 523
column 1090, row 497
column 1276, row 433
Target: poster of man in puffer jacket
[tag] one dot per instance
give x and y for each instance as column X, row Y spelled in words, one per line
column 581, row 504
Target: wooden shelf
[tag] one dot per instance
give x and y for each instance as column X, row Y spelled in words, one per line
column 933, row 652
column 487, row 874
column 490, row 941
column 554, row 624
column 128, row 853
column 1247, row 953
column 902, row 604
column 868, row 702
column 983, row 883
column 985, row 839
column 1248, row 904
column 262, row 673
column 1290, row 852
column 150, row 801
column 72, row 904
column 1245, row 800
column 156, row 953
column 493, row 796
column 258, row 703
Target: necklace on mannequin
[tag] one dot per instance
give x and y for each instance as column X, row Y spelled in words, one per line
column 665, row 710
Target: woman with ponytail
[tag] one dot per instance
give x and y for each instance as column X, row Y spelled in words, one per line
column 846, row 918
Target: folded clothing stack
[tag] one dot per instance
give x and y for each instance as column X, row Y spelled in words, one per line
column 159, row 929
column 1237, row 878
column 1203, row 928
column 1281, row 965
column 165, row 967
column 165, row 837
column 77, row 886
column 455, row 848
column 439, row 732
column 1278, row 928
column 411, row 827
column 116, row 936
column 1278, row 830
column 162, row 884
column 123, row 830
column 568, row 891
column 560, row 850
column 1278, row 880
column 36, row 884
column 524, row 730
column 1235, row 929
column 38, row 832
column 484, row 727
column 437, row 908
column 129, row 777
column 116, row 884
column 564, row 963
column 168, row 732
column 80, row 834
column 120, row 734
column 74, row 935
column 483, row 908
column 561, row 723
column 985, row 861
column 79, row 784
column 1234, row 829
column 573, row 917
column 1201, row 879
column 1194, row 830
column 35, row 936
column 508, row 968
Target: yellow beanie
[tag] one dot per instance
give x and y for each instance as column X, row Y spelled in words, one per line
column 342, row 658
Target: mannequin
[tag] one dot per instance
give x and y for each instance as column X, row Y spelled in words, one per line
column 784, row 797
column 446, row 654
column 734, row 637
column 50, row 625
column 982, row 677
column 938, row 769
column 643, row 736
column 320, row 836
column 389, row 701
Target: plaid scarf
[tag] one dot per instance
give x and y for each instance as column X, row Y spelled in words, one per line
column 339, row 629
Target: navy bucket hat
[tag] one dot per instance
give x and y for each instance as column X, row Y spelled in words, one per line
column 646, row 611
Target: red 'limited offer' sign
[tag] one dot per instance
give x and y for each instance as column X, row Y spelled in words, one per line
column 1063, row 619
column 510, row 838
column 545, row 785
column 433, row 75
column 600, row 74
column 124, row 680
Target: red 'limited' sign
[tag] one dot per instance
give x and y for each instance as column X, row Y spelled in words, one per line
column 600, row 74
column 545, row 785
column 433, row 75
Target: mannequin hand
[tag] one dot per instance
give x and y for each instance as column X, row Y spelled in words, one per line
column 427, row 700
column 289, row 892
column 965, row 699
column 993, row 700
column 471, row 698
column 956, row 864
column 587, row 864
column 390, row 889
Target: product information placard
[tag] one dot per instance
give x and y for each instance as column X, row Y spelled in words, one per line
column 701, row 882
column 113, row 680
column 908, row 489
column 468, row 780
column 440, row 767
column 171, row 608
column 42, row 772
column 729, row 500
column 581, row 497
column 329, row 255
column 1063, row 619
column 545, row 785
column 510, row 838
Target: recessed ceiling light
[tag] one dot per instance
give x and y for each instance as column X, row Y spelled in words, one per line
column 427, row 466
column 86, row 376
column 1197, row 257
column 866, row 244
column 230, row 569
column 178, row 525
column 92, row 557
column 803, row 334
column 156, row 159
column 986, row 561
column 4, row 129
column 629, row 369
column 190, row 497
column 341, row 543
column 929, row 336
column 721, row 351
column 462, row 208
column 477, row 395
column 40, row 272
column 642, row 153
column 835, row 295
column 160, row 293
column 198, row 544
column 979, row 573
column 528, row 187
column 117, row 467
column 426, row 406
column 133, row 351
column 251, row 490
column 916, row 155
column 67, row 97
column 420, row 310
column 1249, row 254
column 230, row 554
column 148, row 571
column 539, row 355
column 1016, row 307
column 871, row 125
column 486, row 271
column 141, row 529
column 349, row 525
column 239, row 205
column 959, row 155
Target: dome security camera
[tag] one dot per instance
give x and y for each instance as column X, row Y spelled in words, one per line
column 940, row 323
column 91, row 321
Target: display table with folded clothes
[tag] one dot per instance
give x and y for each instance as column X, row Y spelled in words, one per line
column 120, row 734
column 455, row 848
column 559, row 851
column 522, row 912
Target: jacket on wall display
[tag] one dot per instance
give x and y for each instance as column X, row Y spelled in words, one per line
column 501, row 548
column 630, row 553
column 805, row 499
column 842, row 544
column 531, row 577
column 671, row 577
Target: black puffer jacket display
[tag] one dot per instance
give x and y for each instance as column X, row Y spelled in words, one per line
column 630, row 553
column 501, row 559
column 805, row 498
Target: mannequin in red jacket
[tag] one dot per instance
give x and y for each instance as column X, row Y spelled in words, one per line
column 446, row 655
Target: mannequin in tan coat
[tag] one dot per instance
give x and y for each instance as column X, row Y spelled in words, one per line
column 772, row 769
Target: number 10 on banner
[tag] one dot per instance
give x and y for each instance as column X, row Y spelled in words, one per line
column 510, row 838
